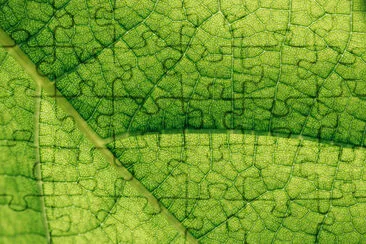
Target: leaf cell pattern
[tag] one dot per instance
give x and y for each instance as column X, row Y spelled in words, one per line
column 132, row 66
column 230, row 188
column 188, row 121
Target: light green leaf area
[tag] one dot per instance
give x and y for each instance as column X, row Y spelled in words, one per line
column 229, row 187
column 55, row 186
column 20, row 206
column 285, row 67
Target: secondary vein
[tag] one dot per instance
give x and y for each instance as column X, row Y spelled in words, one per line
column 38, row 167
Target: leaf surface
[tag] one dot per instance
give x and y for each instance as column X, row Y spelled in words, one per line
column 182, row 121
column 56, row 186
column 140, row 66
column 224, row 187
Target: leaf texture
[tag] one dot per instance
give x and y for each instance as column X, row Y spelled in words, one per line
column 224, row 187
column 286, row 67
column 159, row 121
column 56, row 186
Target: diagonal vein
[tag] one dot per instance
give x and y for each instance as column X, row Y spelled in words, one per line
column 51, row 90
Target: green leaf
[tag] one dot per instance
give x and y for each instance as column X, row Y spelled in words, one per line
column 224, row 187
column 290, row 67
column 56, row 186
column 182, row 121
column 20, row 189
